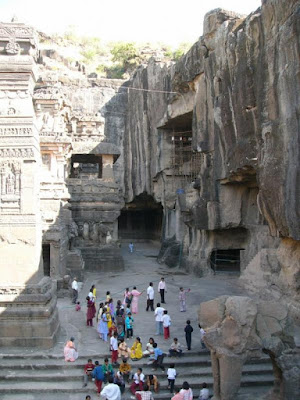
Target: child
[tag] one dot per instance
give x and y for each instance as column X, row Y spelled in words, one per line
column 78, row 306
column 175, row 350
column 171, row 377
column 125, row 368
column 138, row 381
column 108, row 296
column 182, row 298
column 128, row 310
column 114, row 349
column 129, row 324
column 188, row 334
column 166, row 324
column 204, row 392
column 202, row 334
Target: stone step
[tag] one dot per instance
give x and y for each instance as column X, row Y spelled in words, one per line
column 245, row 393
column 45, row 356
column 70, row 386
column 38, row 375
column 59, row 363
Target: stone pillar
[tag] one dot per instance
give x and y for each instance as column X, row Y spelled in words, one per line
column 28, row 313
column 107, row 167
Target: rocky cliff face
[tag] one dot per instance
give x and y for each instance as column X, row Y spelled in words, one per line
column 235, row 97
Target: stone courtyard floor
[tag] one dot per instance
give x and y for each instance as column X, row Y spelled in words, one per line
column 140, row 268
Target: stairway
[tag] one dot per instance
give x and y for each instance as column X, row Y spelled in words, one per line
column 102, row 259
column 36, row 377
column 75, row 264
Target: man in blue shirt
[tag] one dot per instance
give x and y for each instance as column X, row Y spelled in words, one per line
column 98, row 375
column 158, row 358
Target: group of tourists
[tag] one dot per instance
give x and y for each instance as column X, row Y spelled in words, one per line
column 139, row 382
column 115, row 323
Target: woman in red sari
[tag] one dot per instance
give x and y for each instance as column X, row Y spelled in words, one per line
column 90, row 311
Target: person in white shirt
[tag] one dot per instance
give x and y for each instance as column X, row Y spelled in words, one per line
column 162, row 289
column 138, row 381
column 159, row 312
column 204, row 392
column 75, row 290
column 171, row 377
column 150, row 297
column 166, row 324
column 111, row 391
column 114, row 349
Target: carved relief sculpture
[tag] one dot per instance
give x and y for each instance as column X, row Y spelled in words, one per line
column 12, row 46
column 10, row 178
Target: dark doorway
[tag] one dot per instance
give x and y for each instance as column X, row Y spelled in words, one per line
column 225, row 260
column 141, row 219
column 46, row 259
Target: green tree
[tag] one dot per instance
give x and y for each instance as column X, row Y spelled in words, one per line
column 125, row 53
column 181, row 50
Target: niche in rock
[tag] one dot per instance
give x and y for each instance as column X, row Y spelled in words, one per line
column 141, row 219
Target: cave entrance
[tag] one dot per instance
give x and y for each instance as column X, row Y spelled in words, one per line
column 225, row 260
column 86, row 166
column 141, row 219
column 46, row 258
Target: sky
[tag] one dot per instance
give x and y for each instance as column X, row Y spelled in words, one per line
column 167, row 21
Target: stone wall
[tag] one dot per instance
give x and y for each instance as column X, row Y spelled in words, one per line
column 236, row 90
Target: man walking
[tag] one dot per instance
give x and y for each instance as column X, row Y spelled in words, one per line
column 74, row 290
column 162, row 288
column 150, row 297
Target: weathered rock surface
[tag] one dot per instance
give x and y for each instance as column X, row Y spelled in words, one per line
column 238, row 329
column 236, row 93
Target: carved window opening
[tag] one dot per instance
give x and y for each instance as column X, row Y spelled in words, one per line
column 46, row 258
column 228, row 260
column 86, row 166
column 182, row 162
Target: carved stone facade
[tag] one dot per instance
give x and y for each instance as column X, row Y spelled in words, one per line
column 28, row 314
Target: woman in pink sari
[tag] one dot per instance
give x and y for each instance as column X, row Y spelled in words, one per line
column 70, row 351
column 135, row 299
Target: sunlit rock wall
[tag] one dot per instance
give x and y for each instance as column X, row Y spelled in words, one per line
column 240, row 81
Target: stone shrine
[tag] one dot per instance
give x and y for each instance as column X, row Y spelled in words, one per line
column 28, row 314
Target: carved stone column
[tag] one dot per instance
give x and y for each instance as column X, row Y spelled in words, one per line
column 28, row 313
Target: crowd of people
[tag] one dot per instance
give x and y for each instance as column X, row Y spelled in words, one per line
column 115, row 324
